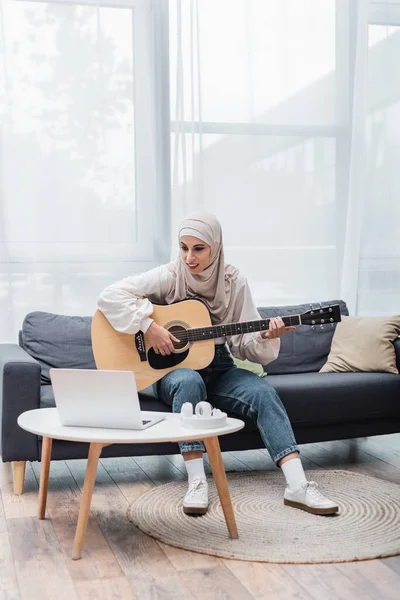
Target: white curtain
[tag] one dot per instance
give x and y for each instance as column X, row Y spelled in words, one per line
column 285, row 123
column 281, row 116
column 77, row 193
column 378, row 289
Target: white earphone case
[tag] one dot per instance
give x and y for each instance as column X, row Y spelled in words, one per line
column 204, row 416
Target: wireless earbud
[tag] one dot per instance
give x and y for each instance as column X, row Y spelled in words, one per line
column 187, row 409
column 203, row 409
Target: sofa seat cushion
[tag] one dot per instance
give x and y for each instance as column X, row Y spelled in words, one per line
column 305, row 350
column 147, row 398
column 323, row 398
column 311, row 398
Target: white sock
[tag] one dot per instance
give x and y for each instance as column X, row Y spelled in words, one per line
column 195, row 468
column 294, row 473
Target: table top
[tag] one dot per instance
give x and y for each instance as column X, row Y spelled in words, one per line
column 45, row 422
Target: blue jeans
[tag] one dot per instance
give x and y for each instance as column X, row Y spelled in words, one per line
column 235, row 391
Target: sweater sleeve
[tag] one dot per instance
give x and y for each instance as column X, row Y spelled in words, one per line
column 127, row 304
column 250, row 345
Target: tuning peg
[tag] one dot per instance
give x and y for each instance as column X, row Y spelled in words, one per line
column 322, row 326
column 311, row 309
column 313, row 327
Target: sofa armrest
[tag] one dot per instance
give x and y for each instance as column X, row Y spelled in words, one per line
column 19, row 391
column 396, row 345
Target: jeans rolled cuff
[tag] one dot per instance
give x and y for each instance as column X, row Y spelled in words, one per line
column 191, row 447
column 286, row 452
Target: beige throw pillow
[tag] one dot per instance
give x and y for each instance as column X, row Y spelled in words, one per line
column 364, row 344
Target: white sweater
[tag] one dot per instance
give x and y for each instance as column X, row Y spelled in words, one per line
column 127, row 304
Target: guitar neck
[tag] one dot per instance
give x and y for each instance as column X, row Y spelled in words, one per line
column 217, row 331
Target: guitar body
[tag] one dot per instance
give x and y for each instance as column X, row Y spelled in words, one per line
column 117, row 351
column 190, row 322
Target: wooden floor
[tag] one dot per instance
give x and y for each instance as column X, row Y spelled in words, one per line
column 120, row 562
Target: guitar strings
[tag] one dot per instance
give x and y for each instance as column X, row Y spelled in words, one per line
column 203, row 333
column 193, row 335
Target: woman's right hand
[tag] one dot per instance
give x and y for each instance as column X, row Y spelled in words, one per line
column 161, row 339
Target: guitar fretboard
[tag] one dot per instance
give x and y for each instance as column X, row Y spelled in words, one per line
column 216, row 331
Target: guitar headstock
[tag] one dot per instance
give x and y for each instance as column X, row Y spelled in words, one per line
column 321, row 315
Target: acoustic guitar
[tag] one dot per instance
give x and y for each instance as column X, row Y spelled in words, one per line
column 190, row 322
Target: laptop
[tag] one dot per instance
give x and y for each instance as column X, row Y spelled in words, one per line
column 92, row 398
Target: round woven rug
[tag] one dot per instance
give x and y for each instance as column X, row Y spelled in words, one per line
column 367, row 527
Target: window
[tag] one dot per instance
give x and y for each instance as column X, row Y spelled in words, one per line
column 259, row 111
column 85, row 190
column 379, row 270
column 79, row 169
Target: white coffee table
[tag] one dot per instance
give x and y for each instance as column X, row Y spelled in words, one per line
column 45, row 422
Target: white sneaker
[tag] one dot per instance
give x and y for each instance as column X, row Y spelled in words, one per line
column 196, row 499
column 309, row 498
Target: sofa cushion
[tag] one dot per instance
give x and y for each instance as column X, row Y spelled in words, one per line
column 311, row 399
column 58, row 341
column 304, row 350
column 147, row 398
column 324, row 398
column 364, row 344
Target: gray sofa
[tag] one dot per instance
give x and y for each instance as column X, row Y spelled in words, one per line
column 321, row 406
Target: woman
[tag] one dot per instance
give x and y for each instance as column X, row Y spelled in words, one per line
column 201, row 272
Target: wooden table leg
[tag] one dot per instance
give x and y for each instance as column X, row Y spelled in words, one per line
column 47, row 444
column 90, row 477
column 218, row 469
column 19, row 467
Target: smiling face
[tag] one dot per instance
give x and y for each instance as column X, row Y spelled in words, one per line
column 195, row 254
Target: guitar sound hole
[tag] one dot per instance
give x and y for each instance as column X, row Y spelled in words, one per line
column 181, row 333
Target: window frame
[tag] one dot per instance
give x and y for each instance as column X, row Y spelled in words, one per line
column 384, row 13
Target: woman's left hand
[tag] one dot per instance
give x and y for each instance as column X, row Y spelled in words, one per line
column 276, row 329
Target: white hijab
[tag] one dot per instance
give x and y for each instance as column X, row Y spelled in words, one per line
column 215, row 286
